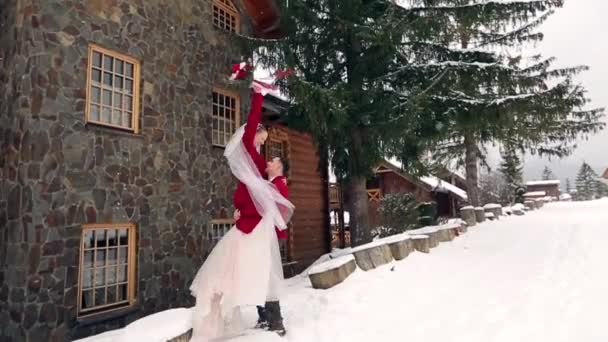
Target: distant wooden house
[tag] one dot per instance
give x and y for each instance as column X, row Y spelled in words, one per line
column 604, row 177
column 550, row 188
column 389, row 178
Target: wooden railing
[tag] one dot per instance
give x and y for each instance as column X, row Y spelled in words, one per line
column 374, row 195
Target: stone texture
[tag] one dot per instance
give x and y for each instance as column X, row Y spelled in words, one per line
column 57, row 172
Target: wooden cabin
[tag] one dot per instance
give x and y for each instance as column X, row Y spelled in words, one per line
column 453, row 178
column 389, row 178
column 549, row 187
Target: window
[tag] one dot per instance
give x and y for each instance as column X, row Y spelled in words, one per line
column 112, row 89
column 107, row 267
column 219, row 228
column 225, row 116
column 276, row 149
column 225, row 15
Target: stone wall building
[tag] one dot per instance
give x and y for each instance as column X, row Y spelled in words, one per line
column 113, row 187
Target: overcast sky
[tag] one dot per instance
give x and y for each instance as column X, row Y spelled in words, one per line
column 577, row 34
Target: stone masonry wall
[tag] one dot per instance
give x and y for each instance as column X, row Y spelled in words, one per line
column 58, row 172
column 12, row 255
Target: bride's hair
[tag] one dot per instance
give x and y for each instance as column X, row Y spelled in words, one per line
column 260, row 128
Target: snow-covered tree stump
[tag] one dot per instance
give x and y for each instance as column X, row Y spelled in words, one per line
column 431, row 231
column 463, row 228
column 185, row 337
column 372, row 255
column 421, row 243
column 480, row 214
column 518, row 209
column 401, row 246
column 332, row 272
column 530, row 205
column 449, row 232
column 460, row 225
column 468, row 215
column 493, row 208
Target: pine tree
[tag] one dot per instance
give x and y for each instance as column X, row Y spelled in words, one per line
column 568, row 186
column 602, row 188
column 547, row 174
column 586, row 183
column 495, row 97
column 363, row 72
column 511, row 170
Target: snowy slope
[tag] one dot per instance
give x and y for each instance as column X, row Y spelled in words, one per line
column 538, row 277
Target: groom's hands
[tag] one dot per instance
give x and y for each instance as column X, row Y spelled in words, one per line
column 236, row 215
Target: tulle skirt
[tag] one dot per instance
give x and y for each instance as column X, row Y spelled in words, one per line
column 242, row 269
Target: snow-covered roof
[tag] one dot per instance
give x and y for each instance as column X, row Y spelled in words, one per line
column 535, row 194
column 543, row 182
column 492, row 206
column 439, row 184
column 436, row 183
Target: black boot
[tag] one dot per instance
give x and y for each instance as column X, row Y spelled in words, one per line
column 262, row 318
column 275, row 320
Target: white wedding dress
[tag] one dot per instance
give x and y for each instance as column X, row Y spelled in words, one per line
column 242, row 269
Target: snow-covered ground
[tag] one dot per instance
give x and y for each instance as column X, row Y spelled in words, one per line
column 538, row 277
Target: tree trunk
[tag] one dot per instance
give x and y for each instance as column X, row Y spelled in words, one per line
column 470, row 156
column 357, row 204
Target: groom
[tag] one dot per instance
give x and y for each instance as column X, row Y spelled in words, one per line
column 270, row 315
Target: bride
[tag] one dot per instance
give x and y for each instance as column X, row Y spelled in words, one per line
column 244, row 268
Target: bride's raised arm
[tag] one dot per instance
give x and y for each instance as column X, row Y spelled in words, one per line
column 251, row 128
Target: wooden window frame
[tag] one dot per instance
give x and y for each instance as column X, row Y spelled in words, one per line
column 131, row 269
column 135, row 116
column 225, row 222
column 237, row 115
column 229, row 9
